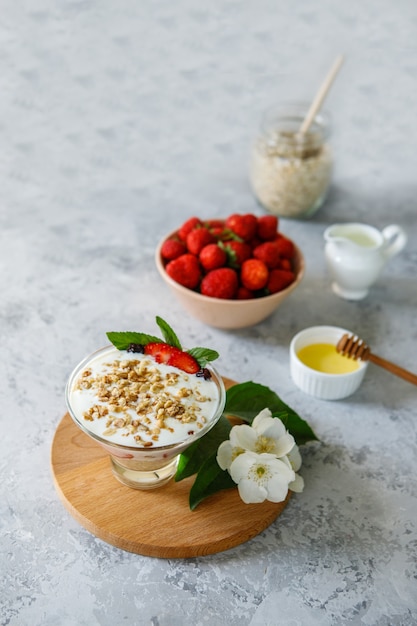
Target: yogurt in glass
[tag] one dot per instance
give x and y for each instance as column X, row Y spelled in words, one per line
column 142, row 412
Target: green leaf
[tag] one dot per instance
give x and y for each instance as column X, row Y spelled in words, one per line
column 298, row 427
column 210, row 479
column 230, row 254
column 168, row 333
column 246, row 400
column 203, row 355
column 228, row 234
column 194, row 457
column 122, row 340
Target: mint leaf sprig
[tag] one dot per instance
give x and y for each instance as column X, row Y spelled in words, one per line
column 122, row 341
column 243, row 401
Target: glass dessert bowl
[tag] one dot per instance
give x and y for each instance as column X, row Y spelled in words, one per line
column 144, row 413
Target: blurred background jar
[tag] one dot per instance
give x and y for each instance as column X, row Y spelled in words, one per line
column 291, row 171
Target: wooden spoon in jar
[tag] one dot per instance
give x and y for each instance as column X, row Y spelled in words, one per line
column 321, row 95
column 355, row 348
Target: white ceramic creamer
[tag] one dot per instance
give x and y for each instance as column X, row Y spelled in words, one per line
column 356, row 253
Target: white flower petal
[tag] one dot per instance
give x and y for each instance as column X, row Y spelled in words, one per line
column 250, row 492
column 224, row 455
column 294, row 457
column 271, row 427
column 264, row 413
column 283, row 468
column 297, row 485
column 284, row 445
column 243, row 436
column 277, row 488
column 241, row 465
column 285, row 459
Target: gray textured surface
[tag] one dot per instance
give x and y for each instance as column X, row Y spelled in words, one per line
column 118, row 120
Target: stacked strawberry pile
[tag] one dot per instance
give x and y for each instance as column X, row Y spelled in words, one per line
column 241, row 257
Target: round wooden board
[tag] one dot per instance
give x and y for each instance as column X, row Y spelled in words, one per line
column 157, row 522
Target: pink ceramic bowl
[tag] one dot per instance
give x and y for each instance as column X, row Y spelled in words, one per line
column 229, row 314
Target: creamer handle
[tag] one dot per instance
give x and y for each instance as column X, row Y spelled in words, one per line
column 395, row 240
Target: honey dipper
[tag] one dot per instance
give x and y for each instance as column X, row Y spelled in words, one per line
column 355, row 348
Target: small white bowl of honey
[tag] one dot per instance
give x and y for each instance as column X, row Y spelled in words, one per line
column 318, row 369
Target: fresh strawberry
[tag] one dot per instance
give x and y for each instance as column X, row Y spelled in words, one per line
column 212, row 256
column 244, row 226
column 267, row 227
column 188, row 226
column 220, row 283
column 172, row 248
column 253, row 243
column 268, row 253
column 185, row 270
column 285, row 247
column 279, row 280
column 230, row 258
column 285, row 264
column 197, row 239
column 254, row 274
column 218, row 233
column 170, row 355
column 214, row 223
column 237, row 252
column 244, row 294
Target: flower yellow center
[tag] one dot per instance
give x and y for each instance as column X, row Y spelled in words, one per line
column 264, row 444
column 236, row 451
column 259, row 474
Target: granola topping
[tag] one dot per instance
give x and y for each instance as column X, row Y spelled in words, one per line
column 130, row 399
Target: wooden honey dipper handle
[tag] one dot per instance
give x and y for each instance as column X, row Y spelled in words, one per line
column 394, row 369
column 353, row 347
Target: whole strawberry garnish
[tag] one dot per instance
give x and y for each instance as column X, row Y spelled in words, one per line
column 279, row 280
column 170, row 355
column 267, row 227
column 185, row 270
column 220, row 283
column 212, row 257
column 244, row 226
column 254, row 274
column 268, row 253
column 237, row 252
column 188, row 226
column 197, row 239
column 172, row 248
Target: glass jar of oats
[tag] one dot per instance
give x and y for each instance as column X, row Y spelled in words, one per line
column 291, row 172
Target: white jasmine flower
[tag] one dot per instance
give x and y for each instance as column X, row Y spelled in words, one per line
column 262, row 459
column 266, row 435
column 261, row 477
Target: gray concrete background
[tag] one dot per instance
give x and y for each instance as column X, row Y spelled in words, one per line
column 119, row 120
